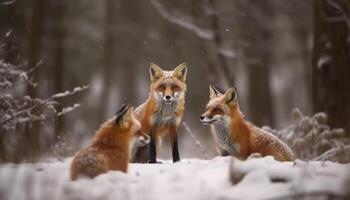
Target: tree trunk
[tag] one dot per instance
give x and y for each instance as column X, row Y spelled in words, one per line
column 218, row 44
column 28, row 145
column 331, row 59
column 58, row 56
column 257, row 59
column 108, row 55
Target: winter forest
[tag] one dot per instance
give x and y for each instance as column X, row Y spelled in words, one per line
column 278, row 68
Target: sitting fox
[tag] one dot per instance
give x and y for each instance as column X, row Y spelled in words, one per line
column 163, row 111
column 234, row 135
column 110, row 148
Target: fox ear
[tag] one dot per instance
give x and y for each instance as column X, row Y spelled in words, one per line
column 231, row 96
column 120, row 114
column 123, row 115
column 213, row 91
column 180, row 72
column 155, row 72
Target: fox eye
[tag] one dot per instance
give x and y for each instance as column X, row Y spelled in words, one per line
column 161, row 87
column 175, row 87
column 217, row 110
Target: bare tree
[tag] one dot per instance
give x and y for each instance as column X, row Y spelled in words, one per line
column 58, row 32
column 108, row 54
column 331, row 58
column 211, row 36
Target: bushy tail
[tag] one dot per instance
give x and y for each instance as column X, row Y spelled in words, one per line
column 89, row 164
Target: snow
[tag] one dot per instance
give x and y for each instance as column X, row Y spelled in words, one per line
column 227, row 53
column 8, row 3
column 188, row 179
column 67, row 93
column 68, row 109
column 323, row 61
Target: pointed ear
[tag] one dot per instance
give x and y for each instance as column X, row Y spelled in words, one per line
column 124, row 114
column 213, row 91
column 155, row 72
column 231, row 96
column 129, row 113
column 120, row 114
column 180, row 72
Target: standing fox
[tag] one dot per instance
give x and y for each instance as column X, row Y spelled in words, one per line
column 234, row 135
column 163, row 111
column 110, row 148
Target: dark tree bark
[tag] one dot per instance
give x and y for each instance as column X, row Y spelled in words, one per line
column 58, row 32
column 35, row 37
column 257, row 55
column 108, row 55
column 331, row 61
column 218, row 44
column 132, row 24
column 119, row 64
column 28, row 145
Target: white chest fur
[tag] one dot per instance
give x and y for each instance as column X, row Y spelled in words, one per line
column 165, row 114
column 224, row 140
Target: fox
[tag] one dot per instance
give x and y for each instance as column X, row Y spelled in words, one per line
column 110, row 147
column 233, row 135
column 162, row 112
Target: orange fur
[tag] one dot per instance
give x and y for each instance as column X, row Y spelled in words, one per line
column 255, row 140
column 168, row 83
column 109, row 150
column 248, row 137
column 147, row 113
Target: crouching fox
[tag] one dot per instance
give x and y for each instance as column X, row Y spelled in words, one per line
column 163, row 111
column 110, row 148
column 234, row 135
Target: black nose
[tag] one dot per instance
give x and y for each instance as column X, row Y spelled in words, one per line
column 201, row 117
column 167, row 97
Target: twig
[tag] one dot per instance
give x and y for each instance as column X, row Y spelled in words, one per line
column 8, row 2
column 53, row 97
column 200, row 32
column 197, row 142
column 340, row 9
column 332, row 152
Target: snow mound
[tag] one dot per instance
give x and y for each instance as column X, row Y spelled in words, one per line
column 262, row 178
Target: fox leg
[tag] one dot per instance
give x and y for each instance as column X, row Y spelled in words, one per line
column 152, row 153
column 152, row 150
column 221, row 151
column 174, row 144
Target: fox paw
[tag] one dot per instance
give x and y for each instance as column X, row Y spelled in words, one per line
column 255, row 155
column 154, row 162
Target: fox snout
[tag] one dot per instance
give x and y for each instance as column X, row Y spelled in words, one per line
column 169, row 97
column 207, row 119
column 142, row 140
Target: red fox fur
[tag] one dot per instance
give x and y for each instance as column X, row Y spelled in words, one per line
column 163, row 110
column 234, row 135
column 110, row 148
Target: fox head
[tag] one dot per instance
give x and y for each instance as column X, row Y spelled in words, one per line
column 168, row 86
column 220, row 106
column 126, row 122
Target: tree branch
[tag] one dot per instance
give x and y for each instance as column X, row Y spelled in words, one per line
column 44, row 102
column 340, row 9
column 332, row 152
column 200, row 32
column 197, row 142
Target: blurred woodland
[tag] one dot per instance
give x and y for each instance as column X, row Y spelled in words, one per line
column 280, row 55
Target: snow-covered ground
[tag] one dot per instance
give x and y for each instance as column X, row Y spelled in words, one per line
column 190, row 179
